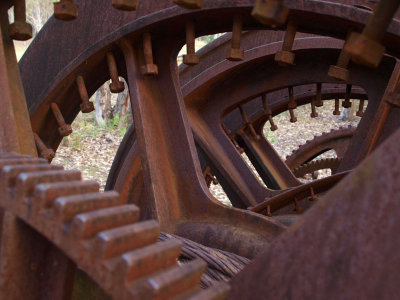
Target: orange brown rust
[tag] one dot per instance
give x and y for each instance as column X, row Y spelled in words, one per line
column 16, row 131
column 122, row 246
column 236, row 53
column 128, row 5
column 177, row 126
column 116, row 85
column 64, row 129
column 65, row 10
column 148, row 68
column 300, row 192
column 337, row 140
column 366, row 48
column 86, row 106
column 340, row 71
column 192, row 4
column 232, row 138
column 247, row 123
column 285, row 57
column 270, row 12
column 338, row 230
column 313, row 113
column 190, row 58
column 336, row 112
column 44, row 151
column 360, row 111
column 20, row 30
column 268, row 113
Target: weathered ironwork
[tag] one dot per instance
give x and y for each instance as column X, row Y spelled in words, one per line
column 186, row 123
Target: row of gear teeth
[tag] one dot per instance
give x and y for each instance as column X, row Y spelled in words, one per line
column 319, row 164
column 98, row 232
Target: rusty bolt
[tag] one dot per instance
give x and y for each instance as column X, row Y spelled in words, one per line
column 65, row 10
column 248, row 124
column 285, row 57
column 20, row 30
column 64, row 129
column 269, row 214
column 340, row 70
column 336, row 112
column 86, row 105
column 116, row 85
column 360, row 111
column 45, row 152
column 313, row 114
column 232, row 138
column 149, row 68
column 270, row 12
column 192, row 4
column 209, row 177
column 318, row 97
column 235, row 53
column 297, row 206
column 190, row 58
column 292, row 105
column 365, row 48
column 312, row 195
column 347, row 103
column 127, row 5
column 268, row 113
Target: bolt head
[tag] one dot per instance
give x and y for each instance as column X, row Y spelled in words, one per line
column 285, row 58
column 191, row 59
column 364, row 50
column 149, row 69
column 191, row 4
column 346, row 104
column 270, row 12
column 48, row 154
column 339, row 73
column 65, row 10
column 20, row 31
column 117, row 87
column 360, row 114
column 235, row 54
column 127, row 5
column 65, row 130
column 87, row 107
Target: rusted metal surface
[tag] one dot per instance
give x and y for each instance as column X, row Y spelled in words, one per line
column 103, row 238
column 337, row 140
column 316, row 165
column 16, row 130
column 242, row 183
column 332, row 250
column 90, row 229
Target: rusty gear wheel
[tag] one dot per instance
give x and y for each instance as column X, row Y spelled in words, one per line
column 98, row 232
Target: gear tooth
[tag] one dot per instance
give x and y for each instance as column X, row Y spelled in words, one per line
column 117, row 241
column 164, row 285
column 66, row 208
column 149, row 259
column 87, row 225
